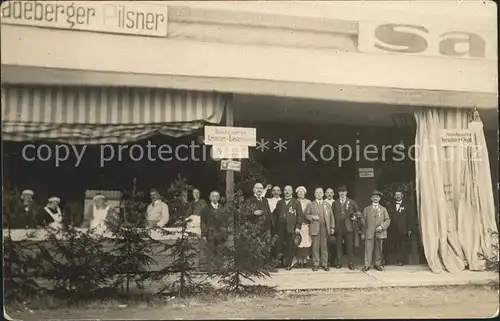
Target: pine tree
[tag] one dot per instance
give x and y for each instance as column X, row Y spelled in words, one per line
column 184, row 252
column 247, row 257
column 76, row 261
column 133, row 248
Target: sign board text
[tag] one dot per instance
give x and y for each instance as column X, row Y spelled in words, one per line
column 230, row 165
column 456, row 137
column 229, row 151
column 366, row 172
column 240, row 136
column 129, row 17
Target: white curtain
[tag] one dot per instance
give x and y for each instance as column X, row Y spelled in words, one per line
column 454, row 192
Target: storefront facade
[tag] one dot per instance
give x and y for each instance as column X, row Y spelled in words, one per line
column 237, row 56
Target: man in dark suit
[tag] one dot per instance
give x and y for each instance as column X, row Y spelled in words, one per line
column 346, row 211
column 260, row 212
column 402, row 223
column 212, row 223
column 27, row 214
column 320, row 214
column 289, row 217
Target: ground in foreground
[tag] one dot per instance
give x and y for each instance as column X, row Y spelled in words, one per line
column 443, row 302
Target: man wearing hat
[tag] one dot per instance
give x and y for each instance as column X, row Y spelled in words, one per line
column 289, row 218
column 376, row 221
column 27, row 212
column 346, row 212
column 53, row 215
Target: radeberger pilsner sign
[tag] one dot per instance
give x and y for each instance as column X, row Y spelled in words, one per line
column 122, row 17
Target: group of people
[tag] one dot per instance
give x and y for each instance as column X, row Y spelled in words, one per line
column 319, row 229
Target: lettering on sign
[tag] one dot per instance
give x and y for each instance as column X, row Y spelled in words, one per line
column 366, row 172
column 420, row 40
column 98, row 16
column 229, row 151
column 223, row 136
column 456, row 137
column 230, row 165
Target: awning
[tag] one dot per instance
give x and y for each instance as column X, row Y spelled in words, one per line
column 90, row 115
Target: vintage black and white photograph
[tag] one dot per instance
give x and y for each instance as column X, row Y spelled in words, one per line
column 249, row 159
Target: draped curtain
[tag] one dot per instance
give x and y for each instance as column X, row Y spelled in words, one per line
column 98, row 115
column 454, row 193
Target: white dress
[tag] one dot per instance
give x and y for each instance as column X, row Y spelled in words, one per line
column 304, row 231
column 98, row 219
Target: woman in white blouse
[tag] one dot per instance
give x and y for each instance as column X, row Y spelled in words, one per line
column 304, row 250
column 97, row 214
column 53, row 210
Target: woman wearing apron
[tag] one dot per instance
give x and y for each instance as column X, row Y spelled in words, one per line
column 304, row 250
column 97, row 214
column 54, row 212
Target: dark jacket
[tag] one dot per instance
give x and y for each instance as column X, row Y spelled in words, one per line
column 212, row 221
column 343, row 214
column 288, row 216
column 402, row 221
column 28, row 217
column 265, row 219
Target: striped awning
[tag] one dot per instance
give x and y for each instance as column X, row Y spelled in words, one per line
column 88, row 115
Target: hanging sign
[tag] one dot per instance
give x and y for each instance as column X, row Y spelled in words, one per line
column 131, row 17
column 230, row 165
column 236, row 136
column 366, row 172
column 229, row 151
column 456, row 137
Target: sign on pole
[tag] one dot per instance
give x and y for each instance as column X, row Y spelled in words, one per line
column 230, row 165
column 366, row 172
column 229, row 151
column 456, row 137
column 236, row 136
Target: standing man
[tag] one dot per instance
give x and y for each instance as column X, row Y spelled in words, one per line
column 346, row 211
column 260, row 214
column 329, row 194
column 402, row 218
column 376, row 221
column 289, row 217
column 197, row 204
column 157, row 213
column 276, row 196
column 320, row 214
column 213, row 228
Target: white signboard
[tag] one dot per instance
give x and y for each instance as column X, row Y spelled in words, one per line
column 223, row 136
column 456, row 137
column 123, row 17
column 229, row 151
column 366, row 172
column 230, row 165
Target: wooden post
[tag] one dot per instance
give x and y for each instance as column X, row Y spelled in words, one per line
column 229, row 123
column 230, row 174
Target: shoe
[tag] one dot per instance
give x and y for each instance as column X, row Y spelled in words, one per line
column 351, row 267
column 288, row 268
column 366, row 268
column 326, row 269
column 400, row 264
column 315, row 268
column 274, row 270
column 338, row 266
column 379, row 268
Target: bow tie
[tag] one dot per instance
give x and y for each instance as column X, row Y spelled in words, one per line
column 215, row 205
column 287, row 199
